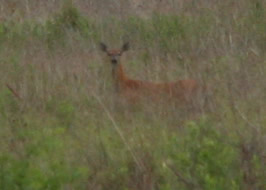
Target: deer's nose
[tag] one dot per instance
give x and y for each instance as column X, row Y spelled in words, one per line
column 114, row 61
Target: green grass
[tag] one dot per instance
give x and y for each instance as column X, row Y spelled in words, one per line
column 63, row 127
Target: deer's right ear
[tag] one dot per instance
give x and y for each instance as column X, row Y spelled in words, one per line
column 103, row 47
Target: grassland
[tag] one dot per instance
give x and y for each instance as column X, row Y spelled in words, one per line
column 62, row 126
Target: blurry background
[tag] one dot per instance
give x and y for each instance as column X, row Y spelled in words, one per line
column 63, row 127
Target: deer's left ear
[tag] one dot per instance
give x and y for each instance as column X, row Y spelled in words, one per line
column 103, row 47
column 125, row 47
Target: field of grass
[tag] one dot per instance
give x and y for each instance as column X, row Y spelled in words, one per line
column 62, row 125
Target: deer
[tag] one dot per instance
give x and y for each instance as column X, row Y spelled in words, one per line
column 180, row 91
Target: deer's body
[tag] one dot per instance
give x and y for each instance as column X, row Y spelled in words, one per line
column 179, row 91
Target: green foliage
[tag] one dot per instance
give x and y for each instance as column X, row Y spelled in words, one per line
column 161, row 30
column 168, row 29
column 8, row 103
column 59, row 136
column 63, row 110
column 206, row 158
column 68, row 19
column 37, row 160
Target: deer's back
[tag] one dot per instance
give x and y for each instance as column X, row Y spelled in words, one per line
column 181, row 90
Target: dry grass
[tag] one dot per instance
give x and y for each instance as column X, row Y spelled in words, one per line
column 60, row 114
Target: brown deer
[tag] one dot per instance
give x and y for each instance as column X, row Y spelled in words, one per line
column 181, row 91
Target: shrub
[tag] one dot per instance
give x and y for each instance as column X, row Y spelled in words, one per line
column 205, row 158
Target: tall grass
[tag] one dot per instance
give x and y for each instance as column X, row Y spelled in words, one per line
column 63, row 127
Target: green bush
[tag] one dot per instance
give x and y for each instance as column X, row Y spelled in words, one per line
column 205, row 158
column 37, row 160
column 68, row 19
column 58, row 136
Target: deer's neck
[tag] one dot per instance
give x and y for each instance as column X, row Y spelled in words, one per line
column 119, row 77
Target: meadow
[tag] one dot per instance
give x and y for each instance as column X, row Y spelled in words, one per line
column 62, row 125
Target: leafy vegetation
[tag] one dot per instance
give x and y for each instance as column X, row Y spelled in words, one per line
column 63, row 127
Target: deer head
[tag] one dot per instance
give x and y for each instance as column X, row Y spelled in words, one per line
column 114, row 54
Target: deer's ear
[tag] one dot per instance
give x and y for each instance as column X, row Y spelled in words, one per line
column 125, row 47
column 103, row 47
